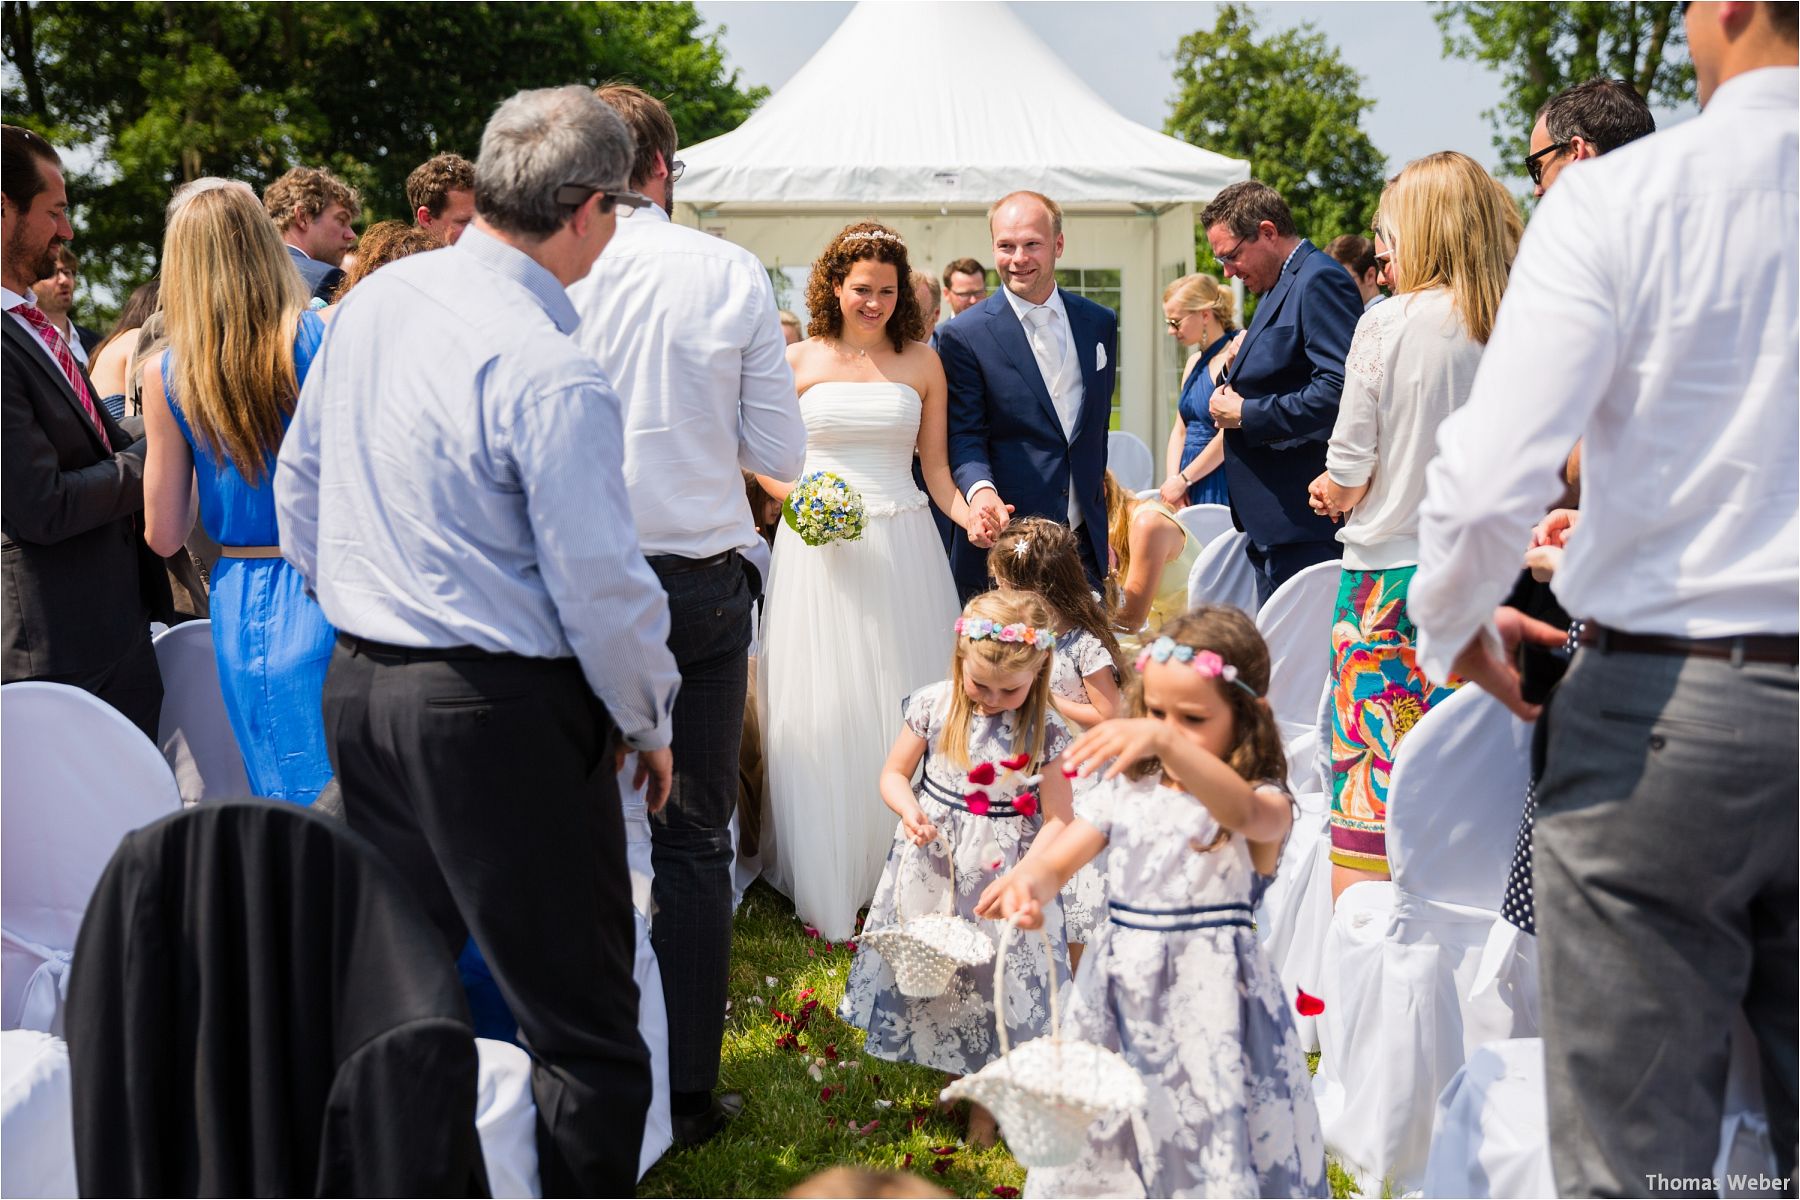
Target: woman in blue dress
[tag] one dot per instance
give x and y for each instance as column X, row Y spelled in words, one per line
column 216, row 406
column 1199, row 313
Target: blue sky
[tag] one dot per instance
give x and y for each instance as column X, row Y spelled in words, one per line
column 1126, row 50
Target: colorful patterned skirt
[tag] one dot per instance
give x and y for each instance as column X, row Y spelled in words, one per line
column 1378, row 694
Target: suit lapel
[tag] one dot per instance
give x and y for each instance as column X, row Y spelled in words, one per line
column 1009, row 332
column 1269, row 305
column 53, row 376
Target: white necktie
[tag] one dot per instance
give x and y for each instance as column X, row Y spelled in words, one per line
column 1045, row 344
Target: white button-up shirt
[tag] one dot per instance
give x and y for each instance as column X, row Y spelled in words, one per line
column 1652, row 312
column 685, row 326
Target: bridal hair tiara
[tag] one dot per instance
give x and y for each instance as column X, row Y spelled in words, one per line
column 873, row 235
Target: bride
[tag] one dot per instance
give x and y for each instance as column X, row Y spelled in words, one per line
column 850, row 628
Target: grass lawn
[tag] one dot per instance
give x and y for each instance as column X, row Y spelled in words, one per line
column 877, row 1114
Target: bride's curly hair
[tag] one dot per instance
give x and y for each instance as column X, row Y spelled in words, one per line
column 856, row 243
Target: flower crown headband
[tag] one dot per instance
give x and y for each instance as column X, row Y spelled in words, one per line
column 1205, row 662
column 977, row 628
column 873, row 235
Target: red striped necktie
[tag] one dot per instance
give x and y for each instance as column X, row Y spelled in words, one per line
column 65, row 358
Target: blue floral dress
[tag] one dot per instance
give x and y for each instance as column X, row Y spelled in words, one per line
column 955, row 1032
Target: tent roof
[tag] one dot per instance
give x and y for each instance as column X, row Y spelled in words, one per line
column 884, row 115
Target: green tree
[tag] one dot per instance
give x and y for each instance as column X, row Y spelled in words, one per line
column 1292, row 106
column 144, row 95
column 1540, row 49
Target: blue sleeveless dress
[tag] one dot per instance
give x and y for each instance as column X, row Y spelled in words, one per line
column 271, row 639
column 1195, row 396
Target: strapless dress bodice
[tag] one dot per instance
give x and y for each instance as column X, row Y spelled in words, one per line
column 865, row 432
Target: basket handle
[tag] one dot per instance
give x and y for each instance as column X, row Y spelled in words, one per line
column 1006, row 932
column 949, row 905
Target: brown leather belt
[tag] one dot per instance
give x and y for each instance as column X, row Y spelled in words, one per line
column 1756, row 648
column 249, row 551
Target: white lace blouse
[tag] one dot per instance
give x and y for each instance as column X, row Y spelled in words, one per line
column 1411, row 364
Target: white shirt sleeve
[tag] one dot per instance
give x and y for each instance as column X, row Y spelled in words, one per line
column 1552, row 355
column 771, row 433
column 1351, row 457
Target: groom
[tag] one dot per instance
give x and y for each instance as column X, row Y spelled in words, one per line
column 1031, row 372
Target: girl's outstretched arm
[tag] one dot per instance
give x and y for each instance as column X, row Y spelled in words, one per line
column 1023, row 891
column 896, row 786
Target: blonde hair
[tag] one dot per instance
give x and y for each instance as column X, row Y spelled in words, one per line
column 1203, row 293
column 231, row 302
column 1121, row 506
column 1449, row 224
column 1030, row 730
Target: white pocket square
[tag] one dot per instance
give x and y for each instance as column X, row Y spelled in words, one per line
column 1099, row 356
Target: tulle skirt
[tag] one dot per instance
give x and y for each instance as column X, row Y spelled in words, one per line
column 849, row 630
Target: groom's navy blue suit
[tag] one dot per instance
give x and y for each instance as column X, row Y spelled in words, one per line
column 1290, row 372
column 1004, row 426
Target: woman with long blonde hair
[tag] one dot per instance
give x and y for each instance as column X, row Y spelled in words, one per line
column 1152, row 555
column 216, row 406
column 1453, row 232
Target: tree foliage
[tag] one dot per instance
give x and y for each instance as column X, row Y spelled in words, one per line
column 1292, row 106
column 144, row 95
column 1540, row 49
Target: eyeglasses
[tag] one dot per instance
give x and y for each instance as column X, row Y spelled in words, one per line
column 1231, row 255
column 970, row 294
column 675, row 170
column 574, row 195
column 1535, row 168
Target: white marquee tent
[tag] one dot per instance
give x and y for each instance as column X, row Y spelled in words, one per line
column 882, row 122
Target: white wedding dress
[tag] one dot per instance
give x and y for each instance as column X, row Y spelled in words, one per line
column 849, row 630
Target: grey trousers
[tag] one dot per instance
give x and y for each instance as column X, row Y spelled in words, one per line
column 1664, row 870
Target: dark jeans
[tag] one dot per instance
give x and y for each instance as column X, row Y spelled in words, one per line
column 133, row 685
column 489, row 782
column 1275, row 565
column 709, row 635
column 1664, row 880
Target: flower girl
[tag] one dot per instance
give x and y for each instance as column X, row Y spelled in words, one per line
column 986, row 735
column 1194, row 811
column 1041, row 556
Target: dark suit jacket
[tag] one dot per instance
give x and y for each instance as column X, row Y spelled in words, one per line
column 322, row 279
column 1290, row 373
column 1004, row 426
column 80, row 586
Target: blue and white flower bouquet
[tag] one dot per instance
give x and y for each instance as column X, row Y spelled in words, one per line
column 823, row 508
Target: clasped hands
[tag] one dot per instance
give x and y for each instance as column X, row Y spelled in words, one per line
column 1330, row 499
column 988, row 515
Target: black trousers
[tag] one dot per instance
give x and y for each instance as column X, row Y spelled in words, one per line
column 1278, row 564
column 691, row 850
column 133, row 685
column 488, row 781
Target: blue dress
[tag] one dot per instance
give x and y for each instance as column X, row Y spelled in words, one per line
column 271, row 639
column 1195, row 395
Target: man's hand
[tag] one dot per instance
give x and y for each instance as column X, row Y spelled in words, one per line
column 987, row 517
column 1555, row 528
column 1495, row 672
column 1227, row 408
column 655, row 767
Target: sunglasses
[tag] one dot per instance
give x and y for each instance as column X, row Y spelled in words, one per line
column 675, row 170
column 1534, row 166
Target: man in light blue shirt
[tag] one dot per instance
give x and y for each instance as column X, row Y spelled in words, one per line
column 451, row 490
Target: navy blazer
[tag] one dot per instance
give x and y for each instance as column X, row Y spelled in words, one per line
column 1004, row 427
column 322, row 279
column 1290, row 372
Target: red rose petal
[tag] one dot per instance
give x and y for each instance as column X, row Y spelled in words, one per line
column 831, row 1122
column 804, row 993
column 907, row 1161
column 869, row 1128
column 982, row 774
column 1006, row 1193
column 1070, row 772
column 977, row 802
column 825, row 1093
column 811, row 932
column 829, row 947
column 1308, row 1006
column 1026, row 804
column 941, row 1150
column 941, row 1165
column 850, row 946
column 1016, row 762
column 831, row 1051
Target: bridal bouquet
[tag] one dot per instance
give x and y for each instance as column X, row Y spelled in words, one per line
column 823, row 508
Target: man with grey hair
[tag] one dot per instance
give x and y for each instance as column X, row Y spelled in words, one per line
column 452, row 490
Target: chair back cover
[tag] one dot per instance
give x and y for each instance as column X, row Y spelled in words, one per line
column 1455, row 798
column 1204, row 522
column 1222, row 575
column 77, row 776
column 1130, row 460
column 259, row 1007
column 1296, row 623
column 195, row 734
column 37, row 1132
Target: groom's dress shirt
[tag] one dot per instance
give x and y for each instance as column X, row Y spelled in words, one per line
column 1651, row 313
column 1061, row 379
column 685, row 326
column 453, row 477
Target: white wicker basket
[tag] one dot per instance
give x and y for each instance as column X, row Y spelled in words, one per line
column 926, row 952
column 1045, row 1094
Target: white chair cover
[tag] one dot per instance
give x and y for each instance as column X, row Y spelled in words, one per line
column 77, row 777
column 1295, row 912
column 195, row 734
column 653, row 1012
column 1400, row 958
column 1206, row 521
column 1296, row 623
column 1223, row 575
column 1488, row 1133
column 1130, row 460
column 37, row 1123
column 506, row 1120
column 1148, row 493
